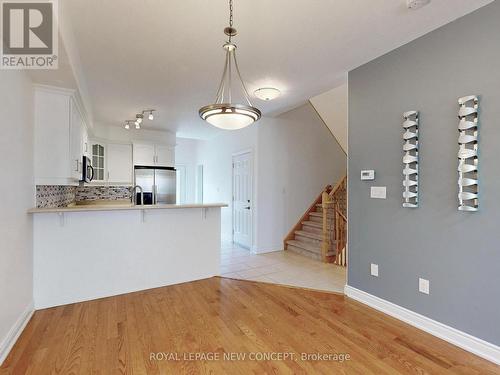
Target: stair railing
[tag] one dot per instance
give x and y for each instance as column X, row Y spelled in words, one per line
column 334, row 208
column 305, row 216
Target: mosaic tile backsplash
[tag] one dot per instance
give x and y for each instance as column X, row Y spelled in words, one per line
column 92, row 193
column 51, row 196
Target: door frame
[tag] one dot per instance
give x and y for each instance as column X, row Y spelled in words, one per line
column 184, row 180
column 253, row 206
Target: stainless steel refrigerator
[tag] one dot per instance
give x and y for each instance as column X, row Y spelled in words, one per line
column 158, row 184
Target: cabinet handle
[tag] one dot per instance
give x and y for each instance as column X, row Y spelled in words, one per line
column 108, row 175
column 77, row 166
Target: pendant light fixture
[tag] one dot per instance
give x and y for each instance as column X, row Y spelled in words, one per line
column 224, row 113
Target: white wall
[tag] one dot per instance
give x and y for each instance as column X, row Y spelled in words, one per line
column 17, row 192
column 298, row 157
column 295, row 157
column 332, row 107
column 216, row 157
column 186, row 154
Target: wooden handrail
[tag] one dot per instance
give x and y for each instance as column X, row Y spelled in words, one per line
column 297, row 226
column 338, row 185
column 341, row 214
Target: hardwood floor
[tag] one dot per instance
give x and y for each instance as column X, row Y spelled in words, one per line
column 120, row 335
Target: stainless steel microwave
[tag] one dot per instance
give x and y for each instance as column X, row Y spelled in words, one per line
column 87, row 170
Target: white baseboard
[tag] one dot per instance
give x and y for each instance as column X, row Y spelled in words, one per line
column 14, row 333
column 267, row 248
column 461, row 339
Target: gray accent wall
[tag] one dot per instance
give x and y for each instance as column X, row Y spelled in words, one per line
column 458, row 252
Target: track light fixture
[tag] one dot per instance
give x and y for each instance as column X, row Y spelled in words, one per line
column 150, row 111
column 139, row 118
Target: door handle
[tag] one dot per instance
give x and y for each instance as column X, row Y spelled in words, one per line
column 247, row 208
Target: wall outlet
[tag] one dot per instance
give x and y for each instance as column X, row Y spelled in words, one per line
column 374, row 270
column 378, row 192
column 423, row 286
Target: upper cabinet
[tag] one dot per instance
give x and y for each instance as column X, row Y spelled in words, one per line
column 98, row 160
column 154, row 155
column 144, row 154
column 61, row 137
column 119, row 163
column 112, row 163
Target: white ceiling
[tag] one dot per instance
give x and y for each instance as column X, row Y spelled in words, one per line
column 167, row 54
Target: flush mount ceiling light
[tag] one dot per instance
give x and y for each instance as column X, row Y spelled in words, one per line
column 267, row 93
column 224, row 113
column 416, row 4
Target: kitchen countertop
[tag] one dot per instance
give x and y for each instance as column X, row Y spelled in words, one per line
column 120, row 207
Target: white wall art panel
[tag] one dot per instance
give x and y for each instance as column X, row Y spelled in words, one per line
column 468, row 188
column 410, row 159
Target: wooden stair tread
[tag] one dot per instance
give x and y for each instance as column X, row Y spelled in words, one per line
column 320, row 214
column 309, row 247
column 312, row 235
column 313, row 224
column 304, row 245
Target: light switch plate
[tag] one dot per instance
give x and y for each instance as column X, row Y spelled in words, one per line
column 374, row 269
column 378, row 192
column 423, row 286
column 368, row 175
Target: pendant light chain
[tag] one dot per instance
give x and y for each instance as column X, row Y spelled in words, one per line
column 230, row 17
column 223, row 113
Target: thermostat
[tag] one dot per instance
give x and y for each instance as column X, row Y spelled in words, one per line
column 368, row 175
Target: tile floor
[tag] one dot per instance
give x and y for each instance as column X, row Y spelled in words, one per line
column 281, row 267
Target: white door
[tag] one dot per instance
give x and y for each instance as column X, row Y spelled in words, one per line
column 144, row 155
column 165, row 156
column 119, row 163
column 242, row 199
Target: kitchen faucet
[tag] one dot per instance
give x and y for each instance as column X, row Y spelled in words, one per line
column 133, row 197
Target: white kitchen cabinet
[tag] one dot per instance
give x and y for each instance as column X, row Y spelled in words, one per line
column 76, row 141
column 59, row 137
column 112, row 163
column 154, row 155
column 144, row 154
column 99, row 155
column 85, row 142
column 119, row 163
column 165, row 156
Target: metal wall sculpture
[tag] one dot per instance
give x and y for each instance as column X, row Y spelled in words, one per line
column 410, row 159
column 468, row 153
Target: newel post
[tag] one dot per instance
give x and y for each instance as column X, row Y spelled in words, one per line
column 325, row 246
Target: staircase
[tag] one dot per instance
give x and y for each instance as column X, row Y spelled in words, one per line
column 321, row 232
